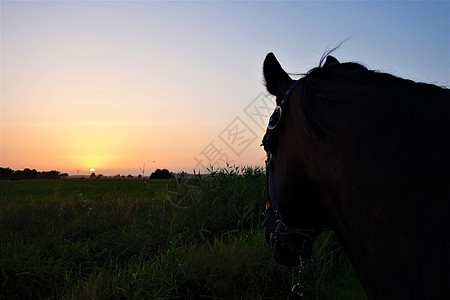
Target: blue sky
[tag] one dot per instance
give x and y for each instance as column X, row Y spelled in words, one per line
column 160, row 81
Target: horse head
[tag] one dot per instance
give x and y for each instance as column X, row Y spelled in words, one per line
column 365, row 154
column 295, row 214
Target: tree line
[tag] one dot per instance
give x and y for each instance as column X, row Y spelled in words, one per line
column 9, row 174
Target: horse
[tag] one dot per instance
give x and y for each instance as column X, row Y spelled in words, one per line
column 367, row 155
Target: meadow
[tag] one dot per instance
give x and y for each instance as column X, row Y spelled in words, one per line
column 186, row 238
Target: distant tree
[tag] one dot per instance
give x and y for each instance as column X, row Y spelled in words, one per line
column 50, row 174
column 6, row 173
column 161, row 174
column 93, row 176
column 17, row 175
column 63, row 175
column 30, row 174
column 130, row 176
column 100, row 176
column 140, row 176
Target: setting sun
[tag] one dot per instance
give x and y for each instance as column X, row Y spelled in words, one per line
column 92, row 169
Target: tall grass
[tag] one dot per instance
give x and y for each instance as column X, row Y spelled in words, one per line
column 156, row 239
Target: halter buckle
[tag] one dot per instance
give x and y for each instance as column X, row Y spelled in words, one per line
column 296, row 292
column 274, row 118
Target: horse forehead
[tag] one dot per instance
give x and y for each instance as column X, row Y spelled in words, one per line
column 282, row 92
column 292, row 130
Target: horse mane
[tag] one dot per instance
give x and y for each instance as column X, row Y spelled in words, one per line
column 369, row 87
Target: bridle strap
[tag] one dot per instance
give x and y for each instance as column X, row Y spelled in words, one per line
column 274, row 220
column 276, row 225
column 271, row 195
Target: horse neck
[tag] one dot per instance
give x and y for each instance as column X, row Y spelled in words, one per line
column 388, row 195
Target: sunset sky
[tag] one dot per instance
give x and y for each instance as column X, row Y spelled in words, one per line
column 118, row 85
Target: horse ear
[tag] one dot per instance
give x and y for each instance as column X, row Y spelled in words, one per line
column 330, row 61
column 274, row 75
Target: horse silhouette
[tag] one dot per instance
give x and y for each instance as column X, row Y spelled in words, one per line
column 367, row 155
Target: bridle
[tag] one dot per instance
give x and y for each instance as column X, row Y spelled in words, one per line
column 273, row 222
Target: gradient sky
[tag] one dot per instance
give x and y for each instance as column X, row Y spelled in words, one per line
column 118, row 85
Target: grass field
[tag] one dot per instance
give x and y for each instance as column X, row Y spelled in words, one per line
column 152, row 239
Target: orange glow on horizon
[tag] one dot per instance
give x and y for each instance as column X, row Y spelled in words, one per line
column 73, row 147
